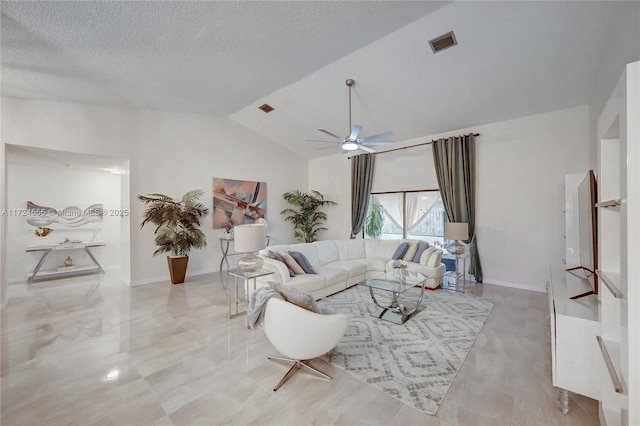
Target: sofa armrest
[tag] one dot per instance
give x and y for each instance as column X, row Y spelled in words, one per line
column 436, row 276
column 279, row 269
column 431, row 257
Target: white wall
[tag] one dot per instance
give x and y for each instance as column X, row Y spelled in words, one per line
column 3, row 227
column 57, row 186
column 520, row 166
column 621, row 47
column 169, row 153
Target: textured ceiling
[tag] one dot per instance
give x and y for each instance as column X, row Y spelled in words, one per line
column 205, row 57
column 227, row 58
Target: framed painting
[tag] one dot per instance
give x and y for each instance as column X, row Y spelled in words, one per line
column 238, row 201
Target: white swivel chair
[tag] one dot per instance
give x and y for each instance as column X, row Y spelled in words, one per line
column 301, row 335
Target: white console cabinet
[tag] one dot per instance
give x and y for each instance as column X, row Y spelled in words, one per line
column 576, row 362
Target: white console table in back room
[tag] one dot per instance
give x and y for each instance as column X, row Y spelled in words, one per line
column 68, row 270
column 576, row 360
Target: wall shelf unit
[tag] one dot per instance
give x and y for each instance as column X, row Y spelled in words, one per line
column 609, row 203
column 618, row 242
column 612, row 281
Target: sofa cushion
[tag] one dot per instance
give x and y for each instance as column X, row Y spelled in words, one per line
column 332, row 274
column 291, row 263
column 311, row 283
column 351, row 249
column 302, row 261
column 297, row 297
column 375, row 263
column 309, row 250
column 422, row 246
column 412, row 248
column 327, row 252
column 276, row 256
column 400, row 251
column 355, row 267
column 376, row 248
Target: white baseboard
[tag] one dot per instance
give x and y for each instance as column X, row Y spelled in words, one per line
column 153, row 280
column 515, row 285
column 166, row 277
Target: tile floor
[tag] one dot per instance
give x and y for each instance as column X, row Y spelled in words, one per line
column 89, row 350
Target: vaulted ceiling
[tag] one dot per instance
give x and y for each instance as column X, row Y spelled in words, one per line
column 227, row 58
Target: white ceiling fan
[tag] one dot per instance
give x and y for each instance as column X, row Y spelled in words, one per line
column 352, row 142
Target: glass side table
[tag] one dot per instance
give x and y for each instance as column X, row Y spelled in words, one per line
column 246, row 278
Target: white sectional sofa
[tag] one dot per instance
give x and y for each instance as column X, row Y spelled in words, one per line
column 340, row 264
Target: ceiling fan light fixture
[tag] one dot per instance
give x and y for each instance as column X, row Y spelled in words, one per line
column 349, row 146
column 353, row 141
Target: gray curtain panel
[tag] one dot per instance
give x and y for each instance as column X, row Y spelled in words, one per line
column 361, row 179
column 454, row 159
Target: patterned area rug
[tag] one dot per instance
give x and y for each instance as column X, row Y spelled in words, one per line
column 415, row 362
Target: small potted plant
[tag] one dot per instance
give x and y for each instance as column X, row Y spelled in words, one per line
column 228, row 229
column 177, row 228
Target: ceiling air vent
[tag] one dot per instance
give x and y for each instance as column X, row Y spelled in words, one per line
column 266, row 108
column 443, row 42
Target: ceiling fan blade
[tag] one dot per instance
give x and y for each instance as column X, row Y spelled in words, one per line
column 355, row 132
column 365, row 149
column 378, row 136
column 331, row 134
column 326, row 147
column 378, row 143
column 317, row 140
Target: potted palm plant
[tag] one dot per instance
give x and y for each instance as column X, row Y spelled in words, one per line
column 375, row 221
column 177, row 228
column 304, row 214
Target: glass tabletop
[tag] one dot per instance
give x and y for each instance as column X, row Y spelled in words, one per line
column 248, row 275
column 396, row 281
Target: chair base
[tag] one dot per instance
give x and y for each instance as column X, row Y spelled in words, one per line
column 297, row 364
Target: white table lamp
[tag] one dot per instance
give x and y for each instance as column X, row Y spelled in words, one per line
column 456, row 231
column 249, row 239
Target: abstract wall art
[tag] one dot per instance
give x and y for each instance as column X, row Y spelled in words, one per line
column 70, row 216
column 238, row 201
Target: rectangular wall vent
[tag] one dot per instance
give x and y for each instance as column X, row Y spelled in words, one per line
column 443, row 42
column 266, row 108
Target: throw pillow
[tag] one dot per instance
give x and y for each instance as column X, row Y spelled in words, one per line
column 303, row 261
column 297, row 297
column 411, row 251
column 400, row 251
column 422, row 246
column 275, row 256
column 291, row 263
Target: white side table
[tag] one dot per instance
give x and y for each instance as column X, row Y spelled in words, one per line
column 246, row 278
column 457, row 280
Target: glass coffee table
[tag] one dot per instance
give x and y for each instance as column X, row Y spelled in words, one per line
column 394, row 284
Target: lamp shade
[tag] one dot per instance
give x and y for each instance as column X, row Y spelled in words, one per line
column 261, row 221
column 249, row 238
column 456, row 231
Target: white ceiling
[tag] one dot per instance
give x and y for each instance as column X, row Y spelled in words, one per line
column 227, row 58
column 30, row 156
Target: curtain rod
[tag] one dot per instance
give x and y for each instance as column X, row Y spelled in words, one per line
column 412, row 146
